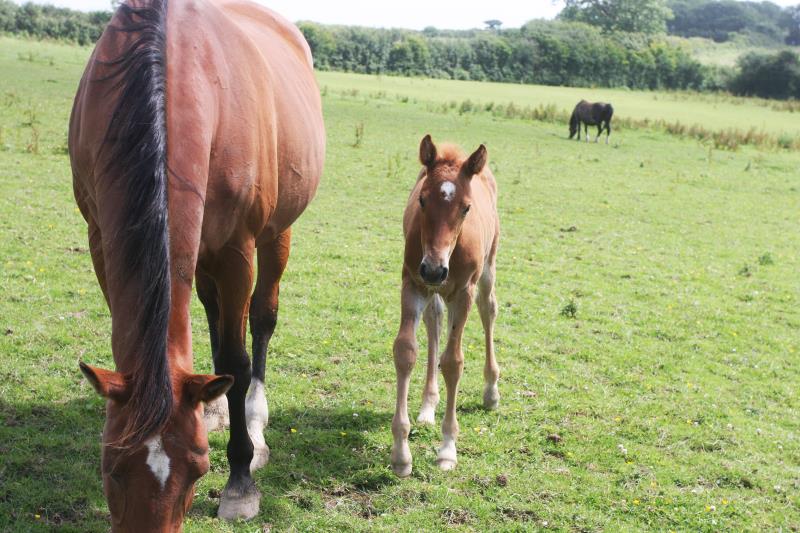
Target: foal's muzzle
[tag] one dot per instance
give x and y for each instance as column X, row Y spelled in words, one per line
column 432, row 275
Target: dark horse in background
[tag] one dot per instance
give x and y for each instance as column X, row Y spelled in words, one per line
column 196, row 140
column 591, row 114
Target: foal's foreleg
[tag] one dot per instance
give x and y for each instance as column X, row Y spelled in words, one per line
column 430, row 394
column 272, row 259
column 487, row 307
column 452, row 364
column 412, row 302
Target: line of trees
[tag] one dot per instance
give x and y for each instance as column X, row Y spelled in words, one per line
column 49, row 22
column 545, row 52
column 609, row 43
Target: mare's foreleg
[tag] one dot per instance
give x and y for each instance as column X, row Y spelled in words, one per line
column 232, row 271
column 215, row 414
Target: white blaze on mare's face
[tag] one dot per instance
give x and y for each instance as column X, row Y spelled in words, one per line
column 448, row 191
column 158, row 460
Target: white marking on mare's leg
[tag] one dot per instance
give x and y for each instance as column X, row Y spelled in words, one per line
column 158, row 460
column 448, row 191
column 257, row 413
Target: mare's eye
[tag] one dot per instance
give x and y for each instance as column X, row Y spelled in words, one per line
column 421, row 201
column 465, row 210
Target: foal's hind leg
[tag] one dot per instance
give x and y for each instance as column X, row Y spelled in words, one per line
column 272, row 258
column 233, row 272
column 430, row 394
column 487, row 307
column 215, row 413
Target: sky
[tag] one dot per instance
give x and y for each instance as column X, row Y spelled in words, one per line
column 412, row 14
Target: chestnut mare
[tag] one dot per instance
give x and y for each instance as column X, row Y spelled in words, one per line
column 196, row 137
column 452, row 231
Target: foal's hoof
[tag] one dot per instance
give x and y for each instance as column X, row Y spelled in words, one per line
column 446, row 464
column 427, row 415
column 402, row 470
column 215, row 414
column 491, row 398
column 239, row 503
column 260, row 457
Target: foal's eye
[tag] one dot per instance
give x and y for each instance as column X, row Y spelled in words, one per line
column 465, row 210
column 421, row 201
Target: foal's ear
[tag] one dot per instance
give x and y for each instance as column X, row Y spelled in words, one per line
column 427, row 151
column 206, row 388
column 475, row 163
column 107, row 383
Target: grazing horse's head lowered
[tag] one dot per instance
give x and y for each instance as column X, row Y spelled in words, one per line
column 165, row 465
column 445, row 199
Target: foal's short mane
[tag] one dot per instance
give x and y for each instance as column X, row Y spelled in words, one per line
column 136, row 151
column 450, row 154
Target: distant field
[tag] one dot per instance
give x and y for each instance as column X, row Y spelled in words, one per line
column 673, row 388
column 712, row 111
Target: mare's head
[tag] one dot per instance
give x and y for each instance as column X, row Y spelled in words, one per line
column 149, row 481
column 444, row 200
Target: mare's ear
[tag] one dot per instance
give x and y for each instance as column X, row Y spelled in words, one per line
column 427, row 151
column 107, row 383
column 206, row 388
column 475, row 163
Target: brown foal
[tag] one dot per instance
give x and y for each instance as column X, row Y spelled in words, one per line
column 451, row 231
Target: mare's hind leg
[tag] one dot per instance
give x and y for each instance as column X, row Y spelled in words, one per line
column 608, row 131
column 272, row 258
column 233, row 273
column 599, row 131
column 586, row 132
column 487, row 307
column 430, row 394
column 215, row 413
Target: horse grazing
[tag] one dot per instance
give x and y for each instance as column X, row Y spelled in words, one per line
column 451, row 231
column 591, row 114
column 196, row 138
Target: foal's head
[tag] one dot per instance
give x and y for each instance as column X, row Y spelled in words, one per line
column 444, row 200
column 149, row 485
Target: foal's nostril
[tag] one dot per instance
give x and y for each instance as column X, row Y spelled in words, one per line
column 423, row 270
column 443, row 275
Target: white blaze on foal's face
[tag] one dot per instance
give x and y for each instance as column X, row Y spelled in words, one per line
column 448, row 189
column 158, row 460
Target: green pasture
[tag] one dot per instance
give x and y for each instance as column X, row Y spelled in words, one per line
column 714, row 112
column 648, row 334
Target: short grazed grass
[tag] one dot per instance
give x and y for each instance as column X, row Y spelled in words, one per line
column 649, row 381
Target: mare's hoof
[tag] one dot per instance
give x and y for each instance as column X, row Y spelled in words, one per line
column 215, row 414
column 239, row 503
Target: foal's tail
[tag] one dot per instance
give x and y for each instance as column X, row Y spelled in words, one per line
column 574, row 124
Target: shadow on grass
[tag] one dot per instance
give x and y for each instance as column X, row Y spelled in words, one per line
column 50, row 465
column 327, row 460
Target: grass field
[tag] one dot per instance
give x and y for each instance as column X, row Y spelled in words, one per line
column 649, row 317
